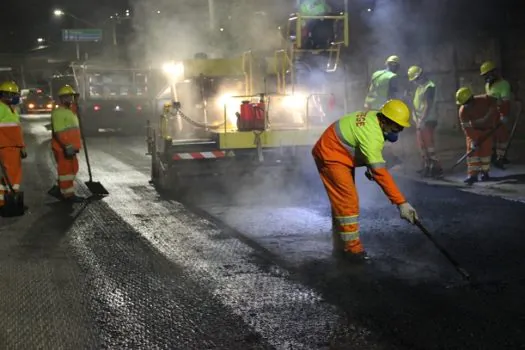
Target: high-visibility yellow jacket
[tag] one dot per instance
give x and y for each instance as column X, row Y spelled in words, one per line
column 11, row 134
column 502, row 92
column 380, row 89
column 66, row 129
column 358, row 140
column 423, row 101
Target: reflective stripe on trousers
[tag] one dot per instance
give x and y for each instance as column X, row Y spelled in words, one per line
column 347, row 227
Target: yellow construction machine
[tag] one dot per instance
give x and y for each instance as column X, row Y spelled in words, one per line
column 241, row 113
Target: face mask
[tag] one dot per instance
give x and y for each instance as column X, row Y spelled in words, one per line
column 391, row 136
column 14, row 100
column 489, row 79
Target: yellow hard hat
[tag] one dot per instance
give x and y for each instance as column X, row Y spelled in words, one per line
column 463, row 95
column 9, row 86
column 397, row 111
column 487, row 67
column 66, row 90
column 392, row 59
column 414, row 72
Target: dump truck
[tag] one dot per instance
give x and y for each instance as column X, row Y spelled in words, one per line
column 111, row 97
column 244, row 113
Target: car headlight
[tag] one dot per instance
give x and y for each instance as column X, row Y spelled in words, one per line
column 30, row 106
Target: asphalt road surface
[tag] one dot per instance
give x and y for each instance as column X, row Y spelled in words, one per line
column 246, row 263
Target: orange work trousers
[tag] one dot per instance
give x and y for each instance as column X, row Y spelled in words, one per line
column 67, row 172
column 479, row 161
column 425, row 141
column 339, row 182
column 12, row 161
column 501, row 140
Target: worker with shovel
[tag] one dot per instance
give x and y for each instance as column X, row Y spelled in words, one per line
column 357, row 140
column 66, row 142
column 498, row 88
column 12, row 146
column 476, row 115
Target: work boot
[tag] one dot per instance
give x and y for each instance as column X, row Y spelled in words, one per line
column 485, row 176
column 471, row 179
column 425, row 172
column 499, row 164
column 437, row 173
column 75, row 199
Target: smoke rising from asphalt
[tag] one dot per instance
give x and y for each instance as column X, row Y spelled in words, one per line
column 167, row 30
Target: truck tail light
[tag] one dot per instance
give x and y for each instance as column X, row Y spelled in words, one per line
column 96, row 108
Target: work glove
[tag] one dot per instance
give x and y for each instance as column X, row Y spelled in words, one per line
column 69, row 151
column 473, row 145
column 23, row 153
column 504, row 120
column 407, row 212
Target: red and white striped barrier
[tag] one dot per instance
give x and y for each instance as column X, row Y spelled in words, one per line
column 199, row 155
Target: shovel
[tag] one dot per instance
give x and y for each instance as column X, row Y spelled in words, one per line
column 13, row 201
column 483, row 139
column 93, row 186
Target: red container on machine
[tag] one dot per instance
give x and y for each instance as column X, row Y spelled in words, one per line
column 252, row 116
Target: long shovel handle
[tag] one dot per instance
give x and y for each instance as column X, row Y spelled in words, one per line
column 84, row 143
column 464, row 274
column 513, row 131
column 6, row 177
column 482, row 140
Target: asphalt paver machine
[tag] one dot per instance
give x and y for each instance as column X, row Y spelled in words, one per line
column 244, row 113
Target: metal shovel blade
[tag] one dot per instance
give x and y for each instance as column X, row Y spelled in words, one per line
column 96, row 188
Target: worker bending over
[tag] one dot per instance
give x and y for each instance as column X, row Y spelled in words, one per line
column 476, row 115
column 383, row 85
column 425, row 117
column 12, row 146
column 498, row 88
column 66, row 142
column 357, row 140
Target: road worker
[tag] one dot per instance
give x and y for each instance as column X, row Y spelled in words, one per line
column 312, row 8
column 476, row 115
column 12, row 146
column 499, row 88
column 425, row 118
column 357, row 140
column 383, row 85
column 66, row 142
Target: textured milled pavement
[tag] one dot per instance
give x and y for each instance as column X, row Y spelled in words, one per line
column 246, row 264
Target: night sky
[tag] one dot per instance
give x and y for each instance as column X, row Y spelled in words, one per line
column 30, row 19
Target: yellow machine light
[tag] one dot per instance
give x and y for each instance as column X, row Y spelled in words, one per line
column 296, row 101
column 174, row 70
column 231, row 104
